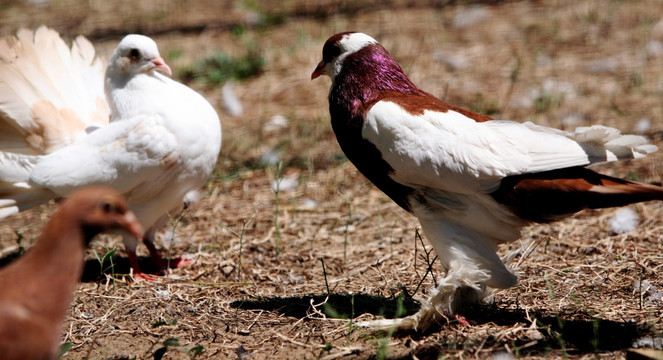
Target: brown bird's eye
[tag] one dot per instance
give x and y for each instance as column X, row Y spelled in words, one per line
column 133, row 54
column 107, row 207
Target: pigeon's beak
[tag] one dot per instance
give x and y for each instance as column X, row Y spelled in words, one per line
column 161, row 65
column 131, row 224
column 319, row 70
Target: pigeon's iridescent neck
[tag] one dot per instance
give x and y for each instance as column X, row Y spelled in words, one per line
column 366, row 76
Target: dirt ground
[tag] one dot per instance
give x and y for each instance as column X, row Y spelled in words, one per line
column 287, row 277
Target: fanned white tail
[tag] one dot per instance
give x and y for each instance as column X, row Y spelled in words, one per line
column 603, row 143
column 49, row 95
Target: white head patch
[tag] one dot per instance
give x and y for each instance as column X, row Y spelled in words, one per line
column 350, row 43
column 355, row 42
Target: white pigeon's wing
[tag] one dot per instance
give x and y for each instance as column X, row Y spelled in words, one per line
column 138, row 157
column 450, row 152
column 49, row 93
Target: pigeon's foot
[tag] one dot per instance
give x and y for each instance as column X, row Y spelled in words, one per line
column 143, row 277
column 450, row 294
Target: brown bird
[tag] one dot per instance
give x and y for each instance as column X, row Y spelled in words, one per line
column 37, row 289
column 473, row 182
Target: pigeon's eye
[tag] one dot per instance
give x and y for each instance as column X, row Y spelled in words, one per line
column 331, row 52
column 107, row 207
column 134, row 54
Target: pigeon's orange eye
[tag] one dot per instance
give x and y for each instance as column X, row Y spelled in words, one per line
column 134, row 54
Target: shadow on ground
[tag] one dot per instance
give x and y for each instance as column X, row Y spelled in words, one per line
column 564, row 334
column 114, row 265
column 574, row 331
column 118, row 265
column 341, row 306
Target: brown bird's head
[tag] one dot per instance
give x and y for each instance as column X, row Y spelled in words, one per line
column 100, row 209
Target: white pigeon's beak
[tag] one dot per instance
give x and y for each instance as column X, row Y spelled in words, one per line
column 161, row 65
column 319, row 70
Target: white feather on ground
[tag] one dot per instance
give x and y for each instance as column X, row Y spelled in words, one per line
column 624, row 221
column 231, row 102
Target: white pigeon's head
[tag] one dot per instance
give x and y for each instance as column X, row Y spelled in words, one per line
column 337, row 48
column 137, row 54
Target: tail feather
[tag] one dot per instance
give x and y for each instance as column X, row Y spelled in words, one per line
column 604, row 143
column 550, row 195
column 17, row 199
column 16, row 194
column 49, row 93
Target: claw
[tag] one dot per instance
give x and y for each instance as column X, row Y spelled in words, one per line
column 143, row 277
column 462, row 320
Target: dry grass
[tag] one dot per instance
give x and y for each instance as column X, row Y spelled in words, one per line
column 576, row 296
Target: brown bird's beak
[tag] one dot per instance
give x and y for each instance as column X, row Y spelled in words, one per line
column 161, row 65
column 131, row 224
column 319, row 70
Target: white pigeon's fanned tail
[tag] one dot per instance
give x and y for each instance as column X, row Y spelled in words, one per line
column 49, row 93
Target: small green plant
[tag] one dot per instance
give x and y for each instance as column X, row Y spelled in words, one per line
column 277, row 180
column 64, row 348
column 546, row 101
column 174, row 54
column 219, row 67
column 173, row 343
column 163, row 322
column 245, row 225
column 484, row 106
column 325, row 349
column 382, row 344
column 107, row 258
column 195, row 351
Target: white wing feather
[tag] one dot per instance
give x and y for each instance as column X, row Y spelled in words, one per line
column 137, row 157
column 450, row 152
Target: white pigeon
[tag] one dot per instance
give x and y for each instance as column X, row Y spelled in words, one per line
column 161, row 141
column 472, row 182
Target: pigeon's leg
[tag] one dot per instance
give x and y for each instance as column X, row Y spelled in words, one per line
column 157, row 259
column 130, row 243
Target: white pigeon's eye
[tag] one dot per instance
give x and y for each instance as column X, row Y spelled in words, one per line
column 134, row 54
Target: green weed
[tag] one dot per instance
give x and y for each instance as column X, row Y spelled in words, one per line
column 245, row 225
column 219, row 67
